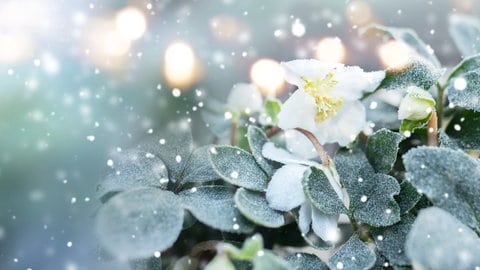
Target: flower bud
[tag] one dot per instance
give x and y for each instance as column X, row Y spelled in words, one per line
column 417, row 105
column 244, row 98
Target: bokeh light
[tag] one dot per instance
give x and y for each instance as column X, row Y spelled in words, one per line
column 267, row 75
column 130, row 23
column 330, row 49
column 394, row 54
column 15, row 47
column 181, row 67
column 359, row 13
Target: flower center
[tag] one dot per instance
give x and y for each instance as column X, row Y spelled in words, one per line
column 327, row 105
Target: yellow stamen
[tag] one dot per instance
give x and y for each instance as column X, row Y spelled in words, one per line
column 327, row 105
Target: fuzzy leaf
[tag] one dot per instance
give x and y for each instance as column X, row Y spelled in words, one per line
column 467, row 64
column 136, row 223
column 464, row 128
column 133, row 169
column 464, row 91
column 465, row 31
column 198, row 168
column 320, row 192
column 382, row 149
column 272, row 108
column 256, row 140
column 391, row 241
column 437, row 240
column 305, row 261
column 238, row 167
column 354, row 254
column 446, row 141
column 449, row 178
column 419, row 73
column 371, row 194
column 383, row 114
column 407, row 36
column 408, row 197
column 254, row 206
column 215, row 207
column 267, row 260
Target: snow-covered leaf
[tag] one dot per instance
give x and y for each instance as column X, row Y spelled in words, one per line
column 354, row 254
column 464, row 129
column 215, row 207
column 446, row 141
column 467, row 64
column 267, row 260
column 132, row 169
column 439, row 241
column 254, row 207
column 418, row 73
column 136, row 223
column 464, row 91
column 408, row 197
column 371, row 194
column 320, row 192
column 465, row 31
column 305, row 261
column 238, row 167
column 382, row 149
column 407, row 36
column 449, row 178
column 257, row 139
column 382, row 114
column 391, row 241
column 198, row 168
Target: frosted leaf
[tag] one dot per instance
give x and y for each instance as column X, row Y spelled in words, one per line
column 465, row 31
column 442, row 246
column 467, row 137
column 254, row 207
column 229, row 159
column 215, row 207
column 136, row 223
column 342, row 259
column 469, row 97
column 448, row 142
column 133, row 169
column 320, row 192
column 198, row 168
column 305, row 261
column 379, row 189
column 382, row 149
column 267, row 260
column 408, row 197
column 384, row 115
column 257, row 139
column 390, row 240
column 448, row 171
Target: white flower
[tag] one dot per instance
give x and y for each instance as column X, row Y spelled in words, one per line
column 327, row 102
column 417, row 105
column 244, row 98
column 285, row 192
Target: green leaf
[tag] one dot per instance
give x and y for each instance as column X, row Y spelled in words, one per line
column 465, row 31
column 354, row 254
column 136, row 223
column 256, row 140
column 391, row 241
column 215, row 207
column 305, row 261
column 238, row 167
column 408, row 197
column 447, row 142
column 419, row 73
column 320, row 192
column 242, row 140
column 254, row 207
column 467, row 64
column 407, row 36
column 133, row 169
column 409, row 126
column 220, row 262
column 449, row 178
column 271, row 109
column 185, row 263
column 267, row 260
column 439, row 241
column 198, row 168
column 249, row 248
column 464, row 91
column 371, row 194
column 464, row 129
column 382, row 149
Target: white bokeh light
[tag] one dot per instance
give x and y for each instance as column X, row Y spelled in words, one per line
column 130, row 23
column 267, row 75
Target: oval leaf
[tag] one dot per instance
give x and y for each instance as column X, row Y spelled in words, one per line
column 256, row 140
column 464, row 91
column 465, row 31
column 305, row 261
column 354, row 254
column 382, row 149
column 464, row 129
column 136, row 223
column 198, row 168
column 254, row 206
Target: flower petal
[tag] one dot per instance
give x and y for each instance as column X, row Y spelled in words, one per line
column 353, row 82
column 285, row 191
column 344, row 127
column 274, row 153
column 298, row 111
column 311, row 69
column 305, row 217
column 299, row 145
column 324, row 225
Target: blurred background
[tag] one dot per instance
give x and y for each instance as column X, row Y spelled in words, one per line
column 80, row 80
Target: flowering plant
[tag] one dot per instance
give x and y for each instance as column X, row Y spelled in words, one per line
column 322, row 169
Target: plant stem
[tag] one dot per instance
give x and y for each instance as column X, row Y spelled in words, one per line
column 272, row 131
column 233, row 133
column 440, row 93
column 324, row 157
column 432, row 129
